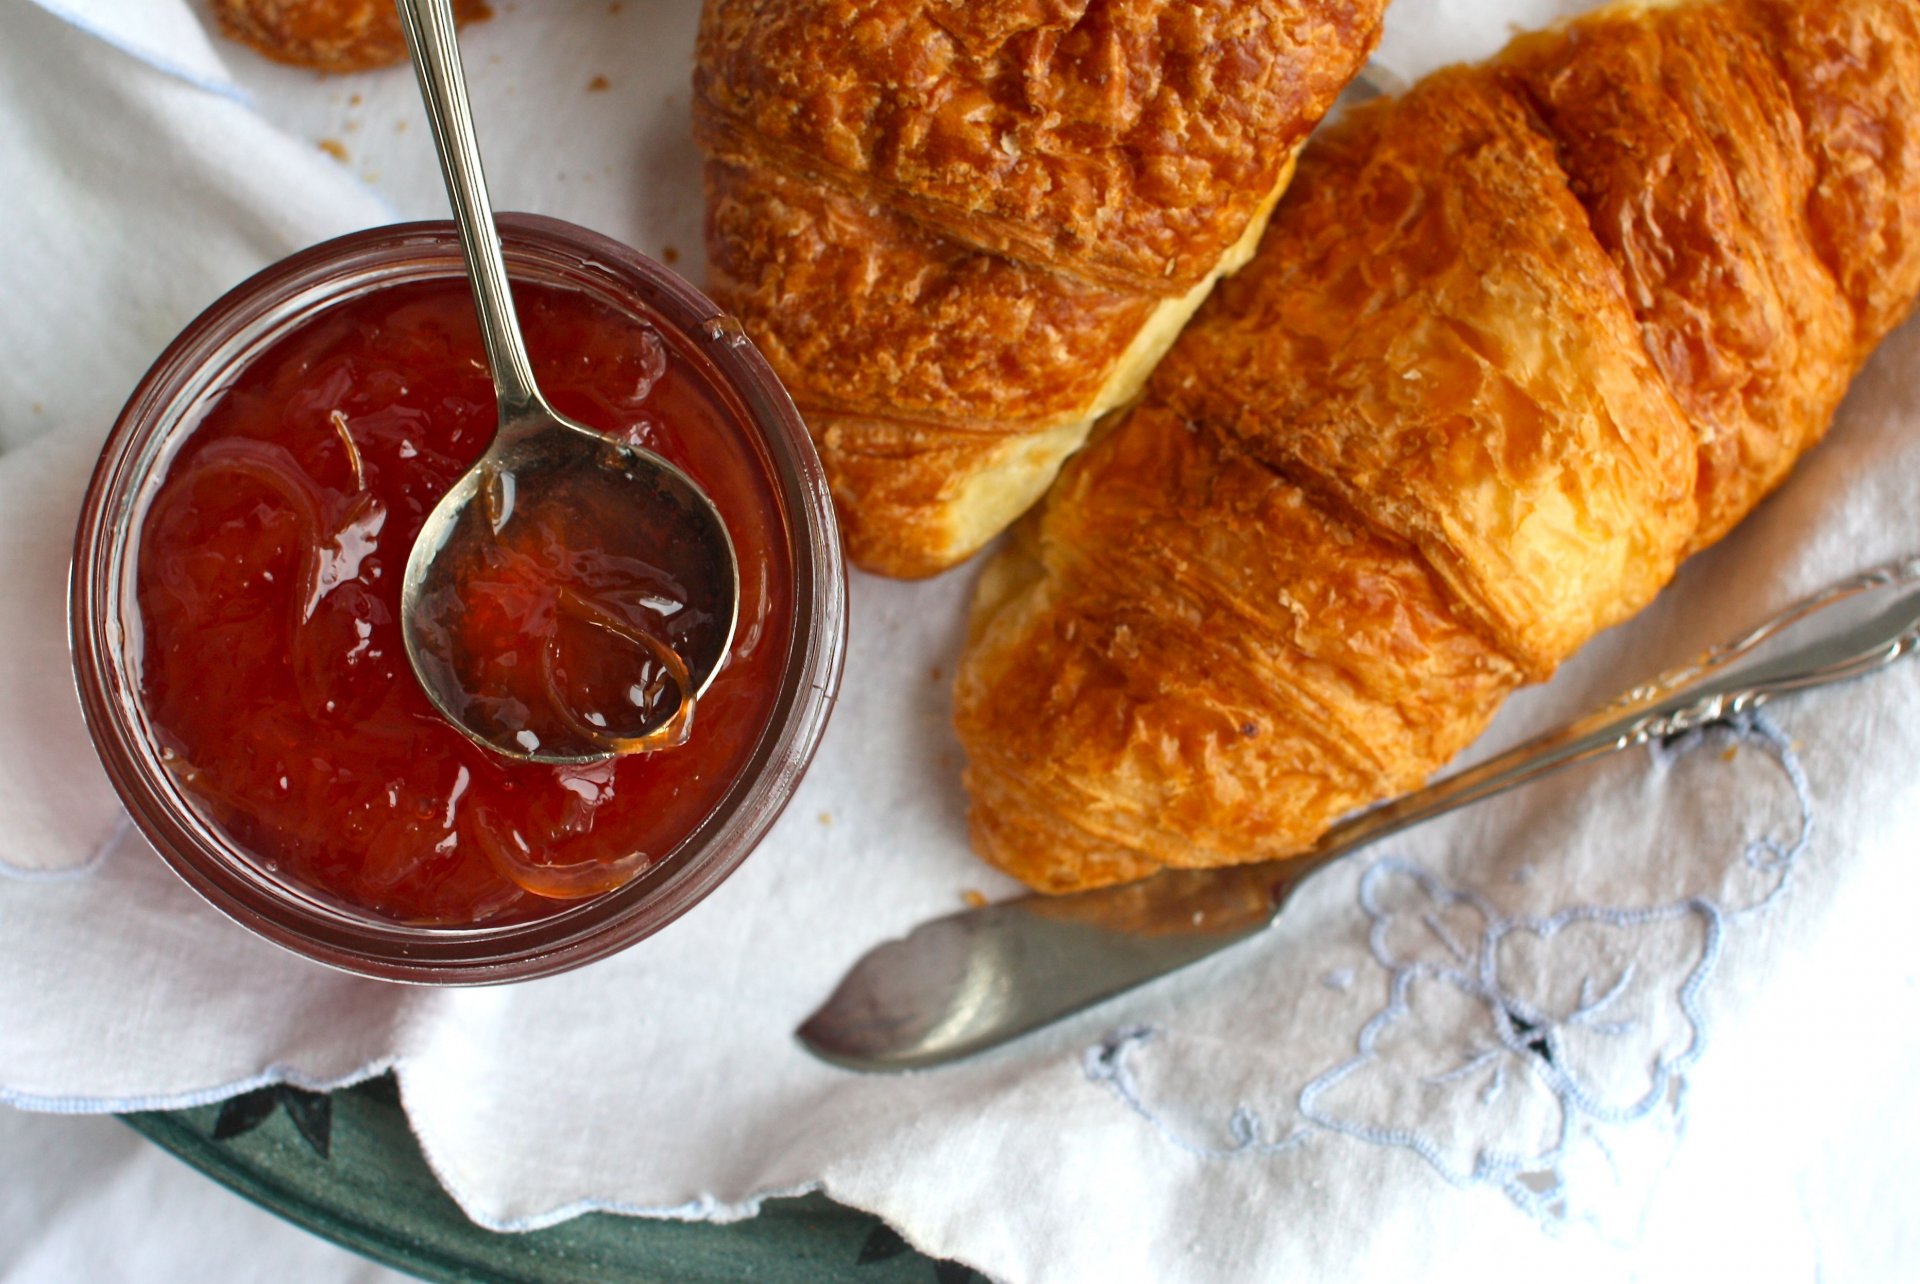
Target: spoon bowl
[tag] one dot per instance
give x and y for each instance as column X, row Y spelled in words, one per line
column 556, row 486
column 548, row 492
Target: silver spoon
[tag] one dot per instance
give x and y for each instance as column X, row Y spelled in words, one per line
column 540, row 458
column 970, row 981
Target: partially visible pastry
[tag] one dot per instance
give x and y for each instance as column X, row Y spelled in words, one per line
column 962, row 231
column 327, row 35
column 1514, row 344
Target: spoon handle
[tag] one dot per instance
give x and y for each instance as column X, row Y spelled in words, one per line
column 443, row 88
column 972, row 980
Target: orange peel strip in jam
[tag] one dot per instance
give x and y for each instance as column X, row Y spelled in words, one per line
column 674, row 731
column 274, row 468
column 572, row 882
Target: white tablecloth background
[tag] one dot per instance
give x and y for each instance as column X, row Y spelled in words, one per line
column 1718, row 930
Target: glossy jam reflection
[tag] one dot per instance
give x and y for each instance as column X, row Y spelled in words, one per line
column 571, row 603
column 270, row 563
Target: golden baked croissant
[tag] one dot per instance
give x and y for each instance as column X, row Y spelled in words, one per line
column 1515, row 343
column 963, row 229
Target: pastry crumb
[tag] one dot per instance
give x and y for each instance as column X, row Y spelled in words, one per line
column 598, row 84
column 826, row 818
column 335, row 148
column 974, row 898
column 669, row 254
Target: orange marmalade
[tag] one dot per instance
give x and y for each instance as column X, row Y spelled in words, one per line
column 273, row 672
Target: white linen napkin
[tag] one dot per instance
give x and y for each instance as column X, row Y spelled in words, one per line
column 1714, row 1070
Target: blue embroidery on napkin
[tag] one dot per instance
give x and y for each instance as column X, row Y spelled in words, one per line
column 1106, row 1062
column 1507, row 1040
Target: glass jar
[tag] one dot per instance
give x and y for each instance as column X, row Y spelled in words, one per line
column 107, row 633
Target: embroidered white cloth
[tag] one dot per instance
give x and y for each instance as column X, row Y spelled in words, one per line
column 1656, row 1014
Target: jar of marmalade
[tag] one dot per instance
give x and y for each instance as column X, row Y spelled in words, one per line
column 234, row 609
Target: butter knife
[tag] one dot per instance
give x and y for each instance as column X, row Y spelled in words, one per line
column 973, row 980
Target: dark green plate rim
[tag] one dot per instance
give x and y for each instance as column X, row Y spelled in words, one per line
column 345, row 1165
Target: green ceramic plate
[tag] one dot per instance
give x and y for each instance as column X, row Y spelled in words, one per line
column 345, row 1165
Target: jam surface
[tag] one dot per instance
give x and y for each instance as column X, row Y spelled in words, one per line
column 273, row 669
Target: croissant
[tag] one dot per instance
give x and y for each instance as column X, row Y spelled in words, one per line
column 1515, row 343
column 962, row 230
column 327, row 35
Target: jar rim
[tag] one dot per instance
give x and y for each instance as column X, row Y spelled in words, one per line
column 103, row 633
